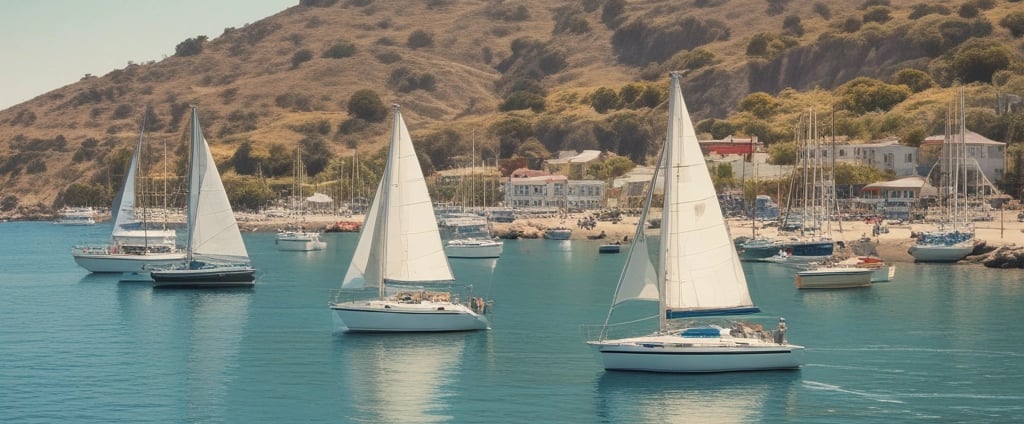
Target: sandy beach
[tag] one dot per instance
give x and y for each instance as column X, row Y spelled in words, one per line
column 891, row 246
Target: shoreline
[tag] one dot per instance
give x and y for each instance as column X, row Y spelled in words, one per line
column 891, row 245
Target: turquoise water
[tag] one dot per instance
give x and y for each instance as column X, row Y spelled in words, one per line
column 938, row 344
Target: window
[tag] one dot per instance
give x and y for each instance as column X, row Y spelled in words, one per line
column 909, row 158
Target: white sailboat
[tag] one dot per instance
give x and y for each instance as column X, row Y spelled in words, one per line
column 133, row 246
column 699, row 275
column 400, row 244
column 297, row 238
column 215, row 254
column 950, row 245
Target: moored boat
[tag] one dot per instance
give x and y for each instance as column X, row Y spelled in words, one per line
column 699, row 275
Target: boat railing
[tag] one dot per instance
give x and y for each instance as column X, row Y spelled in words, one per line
column 617, row 330
column 92, row 250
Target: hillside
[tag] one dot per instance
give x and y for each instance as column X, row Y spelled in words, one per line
column 454, row 65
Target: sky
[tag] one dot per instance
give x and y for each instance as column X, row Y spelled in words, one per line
column 47, row 44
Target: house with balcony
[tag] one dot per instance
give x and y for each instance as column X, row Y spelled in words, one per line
column 884, row 155
column 527, row 189
column 984, row 165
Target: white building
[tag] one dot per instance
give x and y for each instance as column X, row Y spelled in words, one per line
column 983, row 154
column 554, row 191
column 885, row 155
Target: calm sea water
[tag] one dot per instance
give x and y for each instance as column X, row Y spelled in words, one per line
column 938, row 344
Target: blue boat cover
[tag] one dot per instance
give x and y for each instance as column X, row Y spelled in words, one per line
column 701, row 332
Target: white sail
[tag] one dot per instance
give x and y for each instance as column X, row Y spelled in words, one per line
column 213, row 231
column 364, row 269
column 699, row 263
column 400, row 239
column 124, row 205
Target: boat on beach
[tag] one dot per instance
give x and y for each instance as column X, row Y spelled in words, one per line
column 699, row 276
column 558, row 233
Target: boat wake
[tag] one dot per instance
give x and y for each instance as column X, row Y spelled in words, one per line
column 880, row 348
column 815, row 385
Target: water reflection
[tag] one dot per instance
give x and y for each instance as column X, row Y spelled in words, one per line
column 401, row 378
column 706, row 398
column 208, row 329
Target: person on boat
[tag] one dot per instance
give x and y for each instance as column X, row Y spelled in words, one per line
column 780, row 336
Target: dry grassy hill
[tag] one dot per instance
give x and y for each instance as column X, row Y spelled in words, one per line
column 451, row 64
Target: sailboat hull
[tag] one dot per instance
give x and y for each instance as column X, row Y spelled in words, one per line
column 674, row 354
column 300, row 242
column 940, row 253
column 834, row 278
column 378, row 316
column 102, row 261
column 472, row 248
column 204, row 277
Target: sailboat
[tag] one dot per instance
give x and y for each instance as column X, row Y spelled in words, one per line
column 950, row 245
column 298, row 239
column 469, row 234
column 133, row 246
column 400, row 244
column 699, row 275
column 215, row 254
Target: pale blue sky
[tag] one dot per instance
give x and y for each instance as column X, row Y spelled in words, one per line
column 47, row 44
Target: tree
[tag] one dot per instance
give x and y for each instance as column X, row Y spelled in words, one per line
column 977, row 60
column 190, row 47
column 419, row 39
column 1014, row 22
column 793, row 26
column 510, row 132
column 248, row 193
column 634, row 137
column 315, row 155
column 339, row 51
column 242, row 159
column 916, row 80
column 782, row 153
column 534, row 152
column 301, row 56
column 365, row 104
column 760, row 104
column 863, row 95
column 604, row 99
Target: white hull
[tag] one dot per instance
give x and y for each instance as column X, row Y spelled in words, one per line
column 676, row 354
column 301, row 242
column 473, row 249
column 940, row 253
column 834, row 278
column 301, row 245
column 383, row 316
column 119, row 262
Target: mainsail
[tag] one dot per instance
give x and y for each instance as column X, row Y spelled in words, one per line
column 400, row 239
column 213, row 231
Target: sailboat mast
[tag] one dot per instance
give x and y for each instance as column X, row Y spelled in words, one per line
column 139, row 172
column 193, row 184
column 390, row 169
column 668, row 204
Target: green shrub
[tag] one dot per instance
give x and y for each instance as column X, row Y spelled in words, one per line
column 301, row 56
column 190, row 47
column 419, row 39
column 1014, row 22
column 340, row 51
